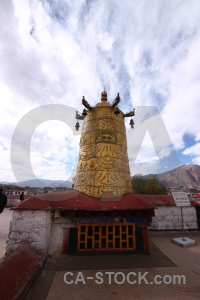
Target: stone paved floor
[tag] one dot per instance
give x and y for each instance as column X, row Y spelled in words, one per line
column 166, row 259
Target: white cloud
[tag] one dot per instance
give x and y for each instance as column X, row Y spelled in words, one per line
column 55, row 52
column 147, row 152
column 54, row 151
column 194, row 152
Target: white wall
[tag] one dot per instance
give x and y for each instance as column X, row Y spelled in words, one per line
column 47, row 235
column 56, row 242
column 169, row 218
column 31, row 227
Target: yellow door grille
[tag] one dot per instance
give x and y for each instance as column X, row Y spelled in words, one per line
column 106, row 237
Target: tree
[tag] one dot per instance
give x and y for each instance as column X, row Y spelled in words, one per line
column 154, row 187
column 138, row 184
column 150, row 185
column 10, row 187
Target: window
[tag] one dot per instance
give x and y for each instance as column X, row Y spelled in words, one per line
column 106, row 237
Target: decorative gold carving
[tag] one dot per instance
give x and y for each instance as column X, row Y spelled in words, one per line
column 104, row 113
column 109, row 150
column 106, row 136
column 120, row 166
column 89, row 126
column 85, row 103
column 87, row 138
column 130, row 114
column 122, row 139
column 87, row 151
column 103, row 168
column 106, row 124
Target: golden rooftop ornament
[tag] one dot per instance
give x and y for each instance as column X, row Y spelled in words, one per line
column 103, row 168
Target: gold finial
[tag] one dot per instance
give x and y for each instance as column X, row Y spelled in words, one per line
column 104, row 96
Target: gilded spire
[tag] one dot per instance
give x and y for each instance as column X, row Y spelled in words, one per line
column 103, row 168
column 104, row 96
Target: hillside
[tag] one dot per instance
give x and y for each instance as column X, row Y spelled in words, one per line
column 186, row 175
column 40, row 183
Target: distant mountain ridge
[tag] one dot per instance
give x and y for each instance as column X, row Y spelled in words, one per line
column 40, row 183
column 185, row 175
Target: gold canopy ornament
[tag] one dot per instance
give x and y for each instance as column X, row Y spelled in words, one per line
column 103, row 167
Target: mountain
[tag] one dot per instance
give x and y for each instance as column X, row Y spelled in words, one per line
column 40, row 183
column 185, row 175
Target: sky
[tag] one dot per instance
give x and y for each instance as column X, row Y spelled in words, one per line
column 54, row 52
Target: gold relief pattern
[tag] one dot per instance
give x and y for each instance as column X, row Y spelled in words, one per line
column 106, row 178
column 87, row 151
column 86, row 165
column 81, row 178
column 121, row 138
column 104, row 113
column 89, row 126
column 120, row 166
column 106, row 124
column 103, row 168
column 106, row 163
column 85, row 178
column 103, row 149
column 87, row 138
column 89, row 164
column 120, row 128
column 92, row 164
column 82, row 165
column 91, row 115
column 106, row 136
column 103, row 191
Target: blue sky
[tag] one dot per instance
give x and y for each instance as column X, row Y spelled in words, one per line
column 54, row 52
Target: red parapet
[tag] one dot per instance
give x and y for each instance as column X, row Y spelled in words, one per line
column 74, row 200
